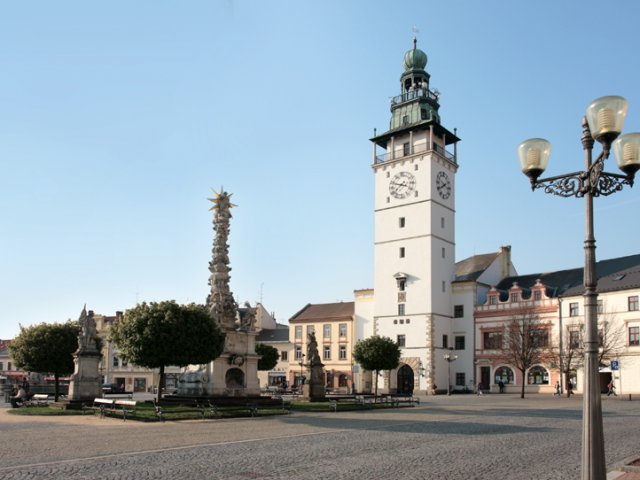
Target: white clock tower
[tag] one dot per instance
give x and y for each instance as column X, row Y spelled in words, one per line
column 414, row 232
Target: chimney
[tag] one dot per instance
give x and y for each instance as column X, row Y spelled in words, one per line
column 505, row 261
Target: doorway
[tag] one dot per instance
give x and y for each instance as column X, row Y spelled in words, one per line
column 485, row 377
column 405, row 380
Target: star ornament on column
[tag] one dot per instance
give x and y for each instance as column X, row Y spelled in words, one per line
column 221, row 201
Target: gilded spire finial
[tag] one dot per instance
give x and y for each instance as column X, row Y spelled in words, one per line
column 222, row 200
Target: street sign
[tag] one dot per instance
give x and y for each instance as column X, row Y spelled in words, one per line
column 615, row 365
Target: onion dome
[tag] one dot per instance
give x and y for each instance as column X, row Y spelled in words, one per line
column 415, row 59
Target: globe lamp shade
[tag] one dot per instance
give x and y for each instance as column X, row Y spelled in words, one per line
column 626, row 149
column 534, row 156
column 606, row 117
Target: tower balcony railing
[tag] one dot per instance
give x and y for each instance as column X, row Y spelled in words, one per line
column 412, row 95
column 385, row 157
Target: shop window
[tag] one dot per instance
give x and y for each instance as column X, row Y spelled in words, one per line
column 538, row 376
column 505, row 374
column 342, row 381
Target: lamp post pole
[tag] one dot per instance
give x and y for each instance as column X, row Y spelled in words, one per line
column 449, row 357
column 301, row 366
column 604, row 121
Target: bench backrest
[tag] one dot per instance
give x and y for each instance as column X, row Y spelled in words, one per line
column 103, row 401
column 126, row 403
column 40, row 396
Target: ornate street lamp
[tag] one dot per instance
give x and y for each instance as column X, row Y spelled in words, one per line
column 603, row 122
column 449, row 357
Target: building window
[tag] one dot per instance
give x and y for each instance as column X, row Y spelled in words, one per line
column 1, row 366
column 298, row 352
column 395, row 321
column 600, row 306
column 537, row 295
column 459, row 339
column 493, row 300
column 326, row 330
column 342, row 381
column 492, row 340
column 538, row 376
column 327, row 352
column 408, row 320
column 443, row 252
column 445, row 341
column 400, row 309
column 444, row 286
column 401, row 340
column 441, row 222
column 284, row 355
column 633, row 303
column 401, row 252
column 540, row 337
column 115, row 361
column 402, row 321
column 311, row 329
column 573, row 309
column 9, row 366
column 574, row 339
column 343, row 352
column 342, row 329
column 458, row 311
column 461, row 379
column 402, row 284
column 401, row 222
column 514, row 297
column 505, row 374
column 634, row 336
column 298, row 332
column 406, row 149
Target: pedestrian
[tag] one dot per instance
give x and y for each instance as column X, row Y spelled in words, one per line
column 19, row 398
column 433, row 389
column 557, row 392
column 479, row 389
column 569, row 388
column 501, row 386
column 612, row 389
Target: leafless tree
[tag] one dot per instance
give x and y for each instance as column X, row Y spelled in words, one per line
column 527, row 341
column 610, row 338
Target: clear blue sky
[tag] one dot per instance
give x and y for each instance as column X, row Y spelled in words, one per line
column 117, row 118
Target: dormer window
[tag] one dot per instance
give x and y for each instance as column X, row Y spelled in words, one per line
column 515, row 297
column 493, row 300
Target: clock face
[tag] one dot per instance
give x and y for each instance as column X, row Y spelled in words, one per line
column 443, row 185
column 402, row 184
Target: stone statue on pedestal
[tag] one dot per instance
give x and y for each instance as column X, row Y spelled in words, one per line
column 86, row 381
column 316, row 372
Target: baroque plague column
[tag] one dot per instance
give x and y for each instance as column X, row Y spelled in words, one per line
column 235, row 371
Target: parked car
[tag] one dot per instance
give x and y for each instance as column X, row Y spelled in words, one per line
column 112, row 388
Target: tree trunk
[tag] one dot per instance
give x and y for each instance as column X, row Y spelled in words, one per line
column 376, row 382
column 160, row 383
column 523, row 380
column 56, row 383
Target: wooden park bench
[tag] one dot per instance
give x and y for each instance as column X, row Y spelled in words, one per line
column 162, row 410
column 38, row 400
column 125, row 407
column 102, row 405
column 360, row 401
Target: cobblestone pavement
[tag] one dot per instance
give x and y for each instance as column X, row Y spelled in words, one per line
column 457, row 437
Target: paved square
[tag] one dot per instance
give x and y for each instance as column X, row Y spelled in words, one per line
column 457, row 437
